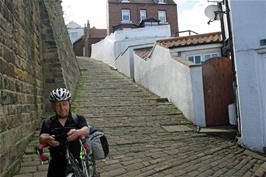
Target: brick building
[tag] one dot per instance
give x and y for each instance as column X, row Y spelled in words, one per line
column 130, row 13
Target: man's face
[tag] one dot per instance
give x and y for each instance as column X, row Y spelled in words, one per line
column 62, row 108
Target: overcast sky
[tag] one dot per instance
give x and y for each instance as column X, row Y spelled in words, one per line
column 190, row 14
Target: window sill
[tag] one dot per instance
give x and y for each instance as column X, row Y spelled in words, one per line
column 126, row 22
column 261, row 50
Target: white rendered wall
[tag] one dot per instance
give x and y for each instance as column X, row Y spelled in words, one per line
column 250, row 62
column 109, row 49
column 104, row 51
column 122, row 63
column 125, row 61
column 171, row 79
column 140, row 33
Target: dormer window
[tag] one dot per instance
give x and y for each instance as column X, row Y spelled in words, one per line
column 161, row 1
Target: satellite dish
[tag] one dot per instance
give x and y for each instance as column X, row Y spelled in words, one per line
column 211, row 12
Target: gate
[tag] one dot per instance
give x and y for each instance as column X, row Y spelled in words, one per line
column 218, row 90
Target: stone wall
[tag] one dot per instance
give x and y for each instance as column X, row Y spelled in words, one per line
column 35, row 56
column 60, row 65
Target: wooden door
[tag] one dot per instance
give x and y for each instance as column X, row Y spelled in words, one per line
column 218, row 90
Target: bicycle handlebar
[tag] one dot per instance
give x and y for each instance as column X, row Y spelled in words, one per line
column 61, row 136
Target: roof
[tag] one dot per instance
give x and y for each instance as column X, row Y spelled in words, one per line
column 124, row 25
column 144, row 1
column 73, row 24
column 98, row 33
column 200, row 39
column 143, row 52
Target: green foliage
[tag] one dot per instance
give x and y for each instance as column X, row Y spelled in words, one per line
column 77, row 92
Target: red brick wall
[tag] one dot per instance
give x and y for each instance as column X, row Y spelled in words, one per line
column 114, row 13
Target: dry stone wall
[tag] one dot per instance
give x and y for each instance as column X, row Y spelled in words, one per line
column 35, row 56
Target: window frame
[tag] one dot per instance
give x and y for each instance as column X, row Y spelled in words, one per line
column 160, row 12
column 140, row 14
column 212, row 55
column 193, row 59
column 124, row 13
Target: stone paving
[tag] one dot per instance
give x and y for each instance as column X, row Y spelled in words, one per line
column 148, row 136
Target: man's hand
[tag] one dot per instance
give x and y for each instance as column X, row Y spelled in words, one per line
column 48, row 139
column 73, row 134
column 52, row 142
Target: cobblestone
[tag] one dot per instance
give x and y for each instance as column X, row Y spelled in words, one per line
column 143, row 133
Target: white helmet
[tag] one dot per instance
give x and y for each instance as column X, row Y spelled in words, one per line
column 59, row 94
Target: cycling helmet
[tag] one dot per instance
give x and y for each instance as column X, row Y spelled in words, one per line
column 59, row 94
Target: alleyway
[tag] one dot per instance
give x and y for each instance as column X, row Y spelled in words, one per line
column 147, row 135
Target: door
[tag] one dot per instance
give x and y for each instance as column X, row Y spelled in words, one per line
column 218, row 90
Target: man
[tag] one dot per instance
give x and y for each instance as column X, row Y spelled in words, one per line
column 61, row 102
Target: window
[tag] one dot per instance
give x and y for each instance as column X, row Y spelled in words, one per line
column 142, row 15
column 162, row 16
column 74, row 34
column 194, row 58
column 124, row 0
column 161, row 1
column 125, row 16
column 210, row 55
column 201, row 58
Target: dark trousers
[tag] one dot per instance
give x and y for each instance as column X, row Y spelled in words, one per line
column 57, row 168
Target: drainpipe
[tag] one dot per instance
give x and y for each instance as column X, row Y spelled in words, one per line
column 230, row 44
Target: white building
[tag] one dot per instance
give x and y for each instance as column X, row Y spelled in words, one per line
column 75, row 31
column 117, row 43
column 248, row 25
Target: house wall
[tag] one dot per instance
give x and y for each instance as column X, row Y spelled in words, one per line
column 78, row 47
column 118, row 42
column 196, row 50
column 248, row 29
column 78, row 31
column 114, row 13
column 140, row 33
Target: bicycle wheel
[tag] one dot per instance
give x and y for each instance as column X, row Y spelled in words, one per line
column 90, row 167
column 73, row 167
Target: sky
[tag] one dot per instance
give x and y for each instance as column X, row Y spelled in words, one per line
column 191, row 14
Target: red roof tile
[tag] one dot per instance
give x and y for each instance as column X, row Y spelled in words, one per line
column 97, row 33
column 200, row 39
column 143, row 52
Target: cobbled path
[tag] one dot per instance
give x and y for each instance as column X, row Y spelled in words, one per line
column 147, row 135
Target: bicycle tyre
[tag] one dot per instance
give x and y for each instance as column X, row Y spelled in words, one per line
column 74, row 167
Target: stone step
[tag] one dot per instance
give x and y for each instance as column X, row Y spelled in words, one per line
column 148, row 136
